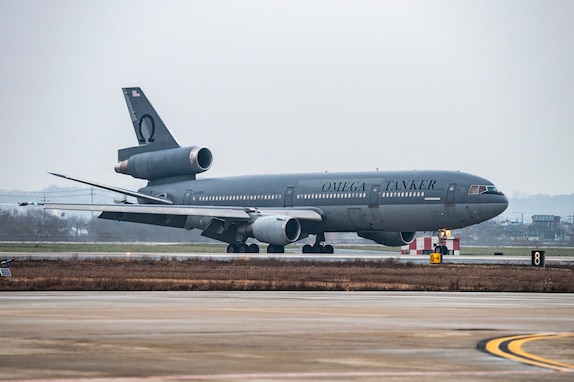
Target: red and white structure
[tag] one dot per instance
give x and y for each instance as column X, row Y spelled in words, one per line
column 426, row 245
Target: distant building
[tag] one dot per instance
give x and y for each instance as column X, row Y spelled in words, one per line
column 546, row 227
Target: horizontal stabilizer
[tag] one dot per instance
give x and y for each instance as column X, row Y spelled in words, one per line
column 123, row 191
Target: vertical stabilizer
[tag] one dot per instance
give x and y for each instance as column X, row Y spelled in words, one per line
column 151, row 132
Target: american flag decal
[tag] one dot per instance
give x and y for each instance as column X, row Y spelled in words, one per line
column 135, row 93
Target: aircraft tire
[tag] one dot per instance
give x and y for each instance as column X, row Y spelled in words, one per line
column 232, row 248
column 307, row 249
column 443, row 250
column 275, row 249
column 318, row 248
column 253, row 248
column 328, row 249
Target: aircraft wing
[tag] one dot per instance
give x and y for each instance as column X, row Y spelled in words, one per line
column 235, row 213
column 216, row 222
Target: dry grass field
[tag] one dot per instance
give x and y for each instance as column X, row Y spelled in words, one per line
column 169, row 274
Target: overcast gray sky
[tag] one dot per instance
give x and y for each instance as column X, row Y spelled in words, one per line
column 485, row 87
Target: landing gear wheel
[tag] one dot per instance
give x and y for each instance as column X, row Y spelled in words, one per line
column 275, row 248
column 317, row 248
column 253, row 248
column 238, row 248
column 442, row 249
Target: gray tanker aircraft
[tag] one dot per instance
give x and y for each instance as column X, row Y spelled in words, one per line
column 387, row 207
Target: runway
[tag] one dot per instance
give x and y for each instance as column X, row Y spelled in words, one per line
column 281, row 336
column 341, row 256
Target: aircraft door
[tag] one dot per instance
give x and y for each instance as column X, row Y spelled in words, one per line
column 450, row 193
column 187, row 197
column 289, row 196
column 374, row 196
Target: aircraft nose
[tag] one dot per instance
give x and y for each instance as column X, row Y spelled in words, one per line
column 498, row 206
column 503, row 203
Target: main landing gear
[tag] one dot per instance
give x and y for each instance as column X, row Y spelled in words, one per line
column 253, row 248
column 242, row 248
column 318, row 247
column 441, row 247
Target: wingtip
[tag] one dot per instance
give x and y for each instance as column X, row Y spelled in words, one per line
column 55, row 174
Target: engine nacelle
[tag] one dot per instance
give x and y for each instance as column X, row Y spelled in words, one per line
column 277, row 230
column 392, row 239
column 166, row 163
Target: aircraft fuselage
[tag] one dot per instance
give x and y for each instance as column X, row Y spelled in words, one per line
column 385, row 201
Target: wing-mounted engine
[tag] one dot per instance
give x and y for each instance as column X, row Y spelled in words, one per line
column 181, row 161
column 276, row 230
column 392, row 239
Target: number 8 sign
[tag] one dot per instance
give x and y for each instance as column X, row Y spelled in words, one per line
column 538, row 259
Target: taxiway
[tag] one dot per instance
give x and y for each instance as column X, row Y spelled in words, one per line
column 278, row 336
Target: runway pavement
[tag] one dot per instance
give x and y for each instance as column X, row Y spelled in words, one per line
column 283, row 336
column 341, row 255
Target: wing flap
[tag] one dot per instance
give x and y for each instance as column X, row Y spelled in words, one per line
column 177, row 221
column 155, row 209
column 239, row 213
column 309, row 214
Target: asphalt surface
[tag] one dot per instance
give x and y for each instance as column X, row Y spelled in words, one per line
column 341, row 255
column 284, row 336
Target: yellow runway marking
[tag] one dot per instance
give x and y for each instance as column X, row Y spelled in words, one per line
column 511, row 348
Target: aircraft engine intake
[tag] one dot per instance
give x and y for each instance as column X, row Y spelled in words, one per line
column 277, row 230
column 392, row 239
column 166, row 163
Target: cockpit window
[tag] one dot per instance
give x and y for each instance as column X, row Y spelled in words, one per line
column 476, row 189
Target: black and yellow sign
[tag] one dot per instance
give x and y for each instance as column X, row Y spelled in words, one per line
column 538, row 259
column 435, row 258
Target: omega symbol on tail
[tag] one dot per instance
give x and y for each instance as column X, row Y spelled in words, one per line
column 146, row 129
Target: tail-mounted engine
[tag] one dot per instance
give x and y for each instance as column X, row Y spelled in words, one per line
column 181, row 161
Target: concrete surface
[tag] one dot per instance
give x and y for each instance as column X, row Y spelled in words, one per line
column 277, row 336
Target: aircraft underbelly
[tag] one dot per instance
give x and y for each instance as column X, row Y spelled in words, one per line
column 413, row 217
column 428, row 217
column 433, row 216
column 399, row 217
column 355, row 218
